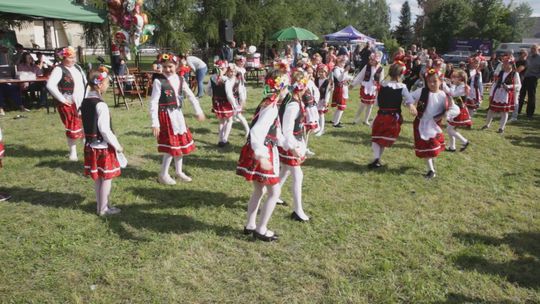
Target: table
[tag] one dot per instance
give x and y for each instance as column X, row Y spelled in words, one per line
column 39, row 79
column 256, row 74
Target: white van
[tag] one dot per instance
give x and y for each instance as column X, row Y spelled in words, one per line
column 512, row 47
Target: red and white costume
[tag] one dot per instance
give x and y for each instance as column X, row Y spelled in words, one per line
column 221, row 105
column 311, row 100
column 502, row 96
column 458, row 115
column 166, row 111
column 264, row 135
column 292, row 116
column 68, row 83
column 428, row 135
column 341, row 88
column 101, row 144
column 387, row 123
column 474, row 99
column 242, row 90
column 369, row 78
column 325, row 92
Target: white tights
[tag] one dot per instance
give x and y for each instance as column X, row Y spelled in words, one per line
column 296, row 187
column 377, row 150
column 72, row 145
column 266, row 212
column 322, row 121
column 453, row 133
column 502, row 123
column 361, row 109
column 103, row 189
column 337, row 117
column 167, row 159
column 240, row 118
column 430, row 164
column 224, row 128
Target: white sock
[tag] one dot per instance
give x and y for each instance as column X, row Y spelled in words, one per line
column 322, row 120
column 377, row 153
column 451, row 133
column 167, row 159
column 244, row 123
column 221, row 129
column 178, row 164
column 504, row 120
column 105, row 191
column 361, row 108
column 253, row 205
column 489, row 118
column 273, row 193
column 337, row 117
column 72, row 145
column 298, row 177
column 227, row 129
column 430, row 163
column 368, row 112
column 284, row 172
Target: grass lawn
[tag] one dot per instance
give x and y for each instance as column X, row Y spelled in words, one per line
column 472, row 235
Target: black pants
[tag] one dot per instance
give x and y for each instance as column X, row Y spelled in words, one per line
column 529, row 88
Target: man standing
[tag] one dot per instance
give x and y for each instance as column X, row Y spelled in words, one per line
column 521, row 68
column 200, row 68
column 531, row 80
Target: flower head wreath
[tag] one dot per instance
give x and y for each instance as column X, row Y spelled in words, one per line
column 165, row 57
column 103, row 74
column 66, row 52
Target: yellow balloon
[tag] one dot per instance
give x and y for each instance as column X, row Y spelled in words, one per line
column 144, row 38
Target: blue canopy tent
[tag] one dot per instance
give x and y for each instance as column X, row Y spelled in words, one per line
column 348, row 34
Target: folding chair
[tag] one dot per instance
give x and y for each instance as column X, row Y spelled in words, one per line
column 126, row 87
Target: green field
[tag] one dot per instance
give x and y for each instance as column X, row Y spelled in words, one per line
column 471, row 235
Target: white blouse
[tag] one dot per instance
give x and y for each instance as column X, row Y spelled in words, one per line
column 79, row 81
column 436, row 106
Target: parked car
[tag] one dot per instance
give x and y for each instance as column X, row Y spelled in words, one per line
column 512, row 47
column 456, row 56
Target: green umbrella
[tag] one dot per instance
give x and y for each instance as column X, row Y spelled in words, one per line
column 292, row 33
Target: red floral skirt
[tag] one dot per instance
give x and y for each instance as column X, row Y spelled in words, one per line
column 71, row 119
column 222, row 108
column 366, row 98
column 427, row 148
column 100, row 163
column 250, row 168
column 173, row 144
column 462, row 120
column 386, row 129
column 338, row 100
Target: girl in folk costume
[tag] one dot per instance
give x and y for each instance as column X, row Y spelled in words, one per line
column 101, row 145
column 370, row 77
column 311, row 98
column 292, row 151
column 325, row 85
column 67, row 85
column 432, row 104
column 502, row 96
column 240, row 78
column 475, row 96
column 221, row 106
column 458, row 115
column 259, row 158
column 168, row 123
column 341, row 90
column 387, row 123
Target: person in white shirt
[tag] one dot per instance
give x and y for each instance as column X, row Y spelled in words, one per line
column 67, row 84
column 504, row 93
column 432, row 104
column 458, row 114
column 370, row 78
column 101, row 145
column 168, row 122
column 200, row 68
column 341, row 90
column 475, row 97
column 259, row 158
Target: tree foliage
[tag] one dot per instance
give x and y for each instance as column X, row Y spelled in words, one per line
column 403, row 32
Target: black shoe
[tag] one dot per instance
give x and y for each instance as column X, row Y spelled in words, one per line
column 375, row 164
column 4, row 197
column 500, row 131
column 248, row 231
column 339, row 125
column 222, row 144
column 430, row 174
column 450, row 150
column 295, row 217
column 464, row 147
column 264, row 237
column 484, row 127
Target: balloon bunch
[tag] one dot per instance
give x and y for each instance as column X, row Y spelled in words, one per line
column 133, row 23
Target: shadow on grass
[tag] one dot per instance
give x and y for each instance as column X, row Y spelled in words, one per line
column 523, row 271
column 454, row 298
column 16, row 150
column 47, row 198
column 181, row 198
column 200, row 130
column 525, row 141
column 139, row 133
column 193, row 160
column 78, row 168
column 352, row 167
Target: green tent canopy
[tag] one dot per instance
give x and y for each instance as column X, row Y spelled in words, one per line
column 53, row 9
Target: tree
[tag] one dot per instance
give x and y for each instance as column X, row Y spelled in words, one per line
column 403, row 32
column 446, row 22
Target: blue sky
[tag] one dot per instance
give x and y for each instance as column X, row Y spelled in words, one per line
column 395, row 8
